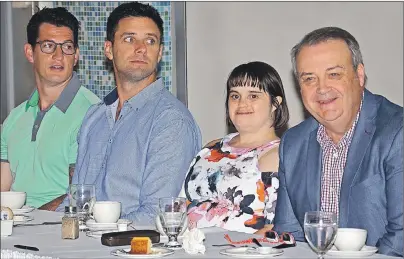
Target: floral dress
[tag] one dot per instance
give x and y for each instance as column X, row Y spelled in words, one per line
column 225, row 188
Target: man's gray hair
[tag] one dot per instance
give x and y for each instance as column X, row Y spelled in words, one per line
column 324, row 34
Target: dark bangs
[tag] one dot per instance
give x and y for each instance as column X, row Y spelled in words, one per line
column 243, row 75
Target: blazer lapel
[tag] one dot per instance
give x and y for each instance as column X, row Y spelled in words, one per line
column 313, row 186
column 364, row 131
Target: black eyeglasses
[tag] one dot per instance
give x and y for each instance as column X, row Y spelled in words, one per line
column 49, row 46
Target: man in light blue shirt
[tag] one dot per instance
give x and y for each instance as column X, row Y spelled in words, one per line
column 136, row 145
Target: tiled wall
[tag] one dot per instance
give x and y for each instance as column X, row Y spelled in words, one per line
column 93, row 17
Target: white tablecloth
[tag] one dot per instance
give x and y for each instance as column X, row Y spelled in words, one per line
column 48, row 240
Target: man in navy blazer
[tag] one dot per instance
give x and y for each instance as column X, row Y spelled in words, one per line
column 348, row 157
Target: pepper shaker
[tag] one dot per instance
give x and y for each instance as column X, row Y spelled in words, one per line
column 70, row 223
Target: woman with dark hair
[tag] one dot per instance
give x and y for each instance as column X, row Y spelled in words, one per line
column 232, row 183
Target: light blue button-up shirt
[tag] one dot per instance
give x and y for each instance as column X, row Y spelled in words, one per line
column 142, row 155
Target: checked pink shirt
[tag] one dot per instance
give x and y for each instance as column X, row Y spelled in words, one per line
column 334, row 158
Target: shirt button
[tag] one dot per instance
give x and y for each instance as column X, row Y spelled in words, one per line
column 110, row 140
column 335, row 155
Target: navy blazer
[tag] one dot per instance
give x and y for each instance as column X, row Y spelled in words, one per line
column 372, row 185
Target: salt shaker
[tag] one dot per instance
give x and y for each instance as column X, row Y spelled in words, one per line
column 70, row 223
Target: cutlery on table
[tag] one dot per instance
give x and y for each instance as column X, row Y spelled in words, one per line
column 256, row 242
column 229, row 245
column 32, row 248
column 39, row 224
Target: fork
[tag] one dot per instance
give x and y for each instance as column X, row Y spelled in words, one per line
column 229, row 245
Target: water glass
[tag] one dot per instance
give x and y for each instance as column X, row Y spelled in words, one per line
column 172, row 213
column 320, row 229
column 83, row 197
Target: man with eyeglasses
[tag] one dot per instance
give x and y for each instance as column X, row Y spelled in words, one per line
column 39, row 137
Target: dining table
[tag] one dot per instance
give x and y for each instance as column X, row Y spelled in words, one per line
column 48, row 240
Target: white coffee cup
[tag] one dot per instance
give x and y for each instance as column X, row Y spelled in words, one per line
column 350, row 239
column 107, row 211
column 12, row 199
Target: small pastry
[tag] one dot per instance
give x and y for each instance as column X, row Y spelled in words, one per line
column 140, row 245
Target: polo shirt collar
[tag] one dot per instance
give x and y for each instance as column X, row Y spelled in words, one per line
column 65, row 98
column 141, row 98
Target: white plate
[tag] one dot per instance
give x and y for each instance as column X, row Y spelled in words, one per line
column 248, row 252
column 92, row 225
column 24, row 209
column 366, row 251
column 21, row 219
column 156, row 252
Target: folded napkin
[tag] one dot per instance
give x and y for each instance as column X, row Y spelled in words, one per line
column 193, row 241
column 14, row 254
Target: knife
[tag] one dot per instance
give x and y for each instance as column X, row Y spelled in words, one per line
column 26, row 247
column 39, row 224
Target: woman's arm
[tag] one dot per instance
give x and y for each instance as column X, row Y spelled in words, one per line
column 268, row 162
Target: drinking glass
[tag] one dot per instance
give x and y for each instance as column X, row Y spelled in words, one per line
column 172, row 213
column 83, row 197
column 320, row 229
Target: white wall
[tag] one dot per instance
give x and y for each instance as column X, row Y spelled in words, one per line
column 222, row 35
column 15, row 88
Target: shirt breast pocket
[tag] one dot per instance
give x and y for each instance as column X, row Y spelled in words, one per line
column 95, row 162
column 95, row 154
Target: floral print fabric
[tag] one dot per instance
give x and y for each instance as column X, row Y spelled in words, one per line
column 225, row 188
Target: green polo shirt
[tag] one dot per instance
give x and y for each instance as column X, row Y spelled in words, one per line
column 40, row 145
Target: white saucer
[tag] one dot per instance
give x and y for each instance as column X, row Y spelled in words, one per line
column 21, row 219
column 93, row 226
column 364, row 252
column 156, row 252
column 248, row 252
column 24, row 209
